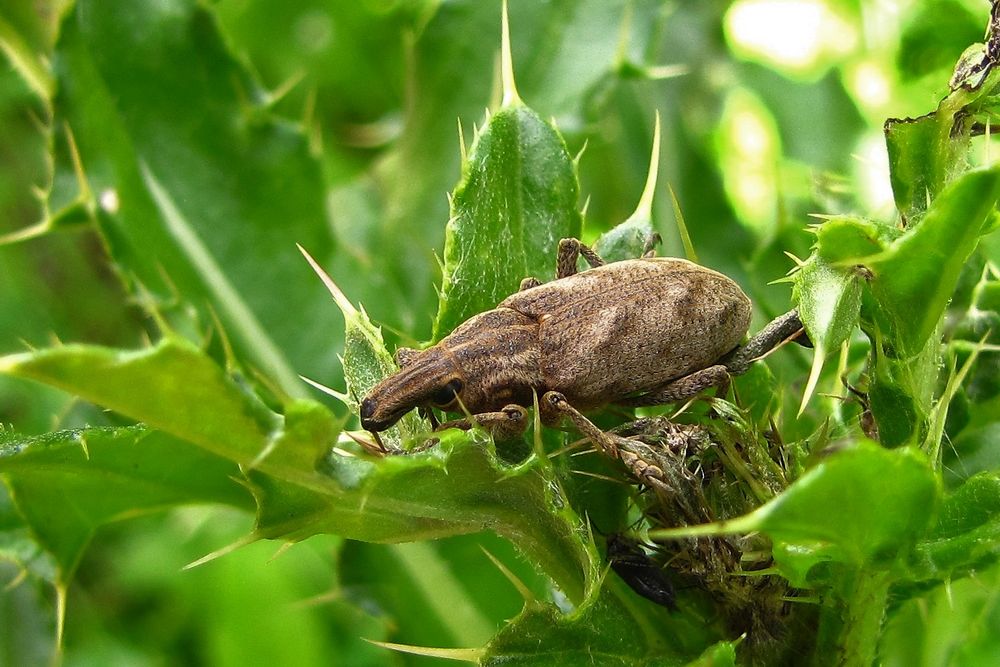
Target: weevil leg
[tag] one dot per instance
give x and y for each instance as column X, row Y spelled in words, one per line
column 635, row 454
column 554, row 405
column 428, row 414
column 737, row 362
column 682, row 388
column 508, row 423
column 643, row 426
column 528, row 283
column 782, row 328
column 649, row 249
column 569, row 251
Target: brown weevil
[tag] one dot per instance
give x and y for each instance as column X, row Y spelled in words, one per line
column 637, row 332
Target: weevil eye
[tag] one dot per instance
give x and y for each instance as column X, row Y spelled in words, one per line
column 447, row 393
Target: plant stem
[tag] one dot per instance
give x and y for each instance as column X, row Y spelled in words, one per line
column 849, row 633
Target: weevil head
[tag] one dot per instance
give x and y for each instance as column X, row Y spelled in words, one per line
column 429, row 378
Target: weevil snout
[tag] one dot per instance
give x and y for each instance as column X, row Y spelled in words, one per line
column 368, row 423
column 378, row 411
column 428, row 380
column 378, row 415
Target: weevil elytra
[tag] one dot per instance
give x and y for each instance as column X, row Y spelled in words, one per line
column 644, row 331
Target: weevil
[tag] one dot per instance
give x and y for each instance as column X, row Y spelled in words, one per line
column 637, row 332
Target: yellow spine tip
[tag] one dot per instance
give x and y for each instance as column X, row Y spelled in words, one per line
column 510, row 96
column 342, row 301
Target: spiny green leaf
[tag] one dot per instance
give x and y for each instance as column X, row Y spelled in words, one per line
column 612, row 627
column 829, row 303
column 849, row 240
column 366, row 361
column 173, row 386
column 916, row 276
column 583, row 44
column 302, row 485
column 202, row 194
column 827, row 287
column 517, row 199
column 624, row 241
column 458, row 487
column 967, row 533
column 69, row 483
column 922, row 157
column 861, row 507
column 628, row 240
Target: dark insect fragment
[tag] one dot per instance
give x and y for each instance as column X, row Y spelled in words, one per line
column 640, row 571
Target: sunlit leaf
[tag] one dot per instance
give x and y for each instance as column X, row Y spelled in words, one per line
column 916, row 275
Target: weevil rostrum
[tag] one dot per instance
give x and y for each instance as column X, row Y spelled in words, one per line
column 638, row 332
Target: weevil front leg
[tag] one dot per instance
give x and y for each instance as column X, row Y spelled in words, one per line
column 508, row 423
column 635, row 454
column 649, row 247
column 569, row 251
column 553, row 406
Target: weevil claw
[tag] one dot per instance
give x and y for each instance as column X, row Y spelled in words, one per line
column 555, row 399
column 515, row 412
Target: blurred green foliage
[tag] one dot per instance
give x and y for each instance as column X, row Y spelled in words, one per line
column 159, row 162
